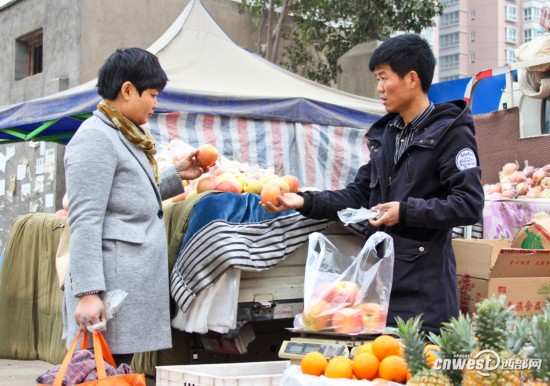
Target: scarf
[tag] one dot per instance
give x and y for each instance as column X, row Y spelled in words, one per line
column 138, row 136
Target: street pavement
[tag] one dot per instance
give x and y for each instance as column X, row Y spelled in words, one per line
column 24, row 373
column 21, row 373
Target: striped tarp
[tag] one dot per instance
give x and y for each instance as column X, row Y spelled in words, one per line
column 321, row 156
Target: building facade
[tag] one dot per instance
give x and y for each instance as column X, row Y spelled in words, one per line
column 476, row 35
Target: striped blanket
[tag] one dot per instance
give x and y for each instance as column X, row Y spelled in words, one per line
column 228, row 231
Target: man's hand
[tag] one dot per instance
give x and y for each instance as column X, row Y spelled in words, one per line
column 287, row 201
column 89, row 311
column 390, row 218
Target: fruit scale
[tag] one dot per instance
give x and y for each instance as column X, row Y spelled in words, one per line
column 330, row 344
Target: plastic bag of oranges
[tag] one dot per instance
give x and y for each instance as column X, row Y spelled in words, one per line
column 347, row 294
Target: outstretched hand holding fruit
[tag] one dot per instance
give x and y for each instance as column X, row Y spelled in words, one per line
column 189, row 168
column 277, row 201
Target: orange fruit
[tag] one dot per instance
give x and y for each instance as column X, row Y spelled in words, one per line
column 366, row 347
column 365, row 366
column 385, row 345
column 393, row 368
column 430, row 354
column 207, row 155
column 313, row 363
column 339, row 367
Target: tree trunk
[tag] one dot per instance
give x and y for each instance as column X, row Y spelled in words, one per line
column 270, row 16
column 278, row 31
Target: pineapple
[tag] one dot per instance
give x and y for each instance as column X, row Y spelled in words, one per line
column 456, row 340
column 540, row 341
column 491, row 324
column 413, row 340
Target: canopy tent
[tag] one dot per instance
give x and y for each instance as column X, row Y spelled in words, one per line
column 208, row 74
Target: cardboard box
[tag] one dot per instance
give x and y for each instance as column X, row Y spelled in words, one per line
column 487, row 267
column 536, row 234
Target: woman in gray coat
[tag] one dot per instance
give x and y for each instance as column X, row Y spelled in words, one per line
column 115, row 193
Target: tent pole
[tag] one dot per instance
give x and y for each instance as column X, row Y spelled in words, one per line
column 40, row 129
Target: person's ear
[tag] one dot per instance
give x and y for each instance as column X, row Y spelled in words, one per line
column 126, row 90
column 413, row 79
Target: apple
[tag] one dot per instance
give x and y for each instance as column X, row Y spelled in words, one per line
column 207, row 155
column 62, row 213
column 293, row 182
column 374, row 316
column 280, row 181
column 347, row 320
column 270, row 193
column 252, row 185
column 206, row 183
column 510, row 168
column 318, row 316
column 232, row 186
column 343, row 292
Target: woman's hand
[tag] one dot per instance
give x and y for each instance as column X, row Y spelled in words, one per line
column 89, row 311
column 189, row 168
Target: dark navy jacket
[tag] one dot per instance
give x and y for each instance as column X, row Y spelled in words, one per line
column 437, row 180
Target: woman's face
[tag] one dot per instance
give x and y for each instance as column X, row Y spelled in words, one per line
column 141, row 107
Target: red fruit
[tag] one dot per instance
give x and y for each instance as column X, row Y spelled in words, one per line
column 271, row 192
column 347, row 320
column 207, row 155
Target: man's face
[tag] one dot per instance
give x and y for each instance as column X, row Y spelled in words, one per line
column 396, row 93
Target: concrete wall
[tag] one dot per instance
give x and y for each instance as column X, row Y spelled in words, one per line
column 354, row 75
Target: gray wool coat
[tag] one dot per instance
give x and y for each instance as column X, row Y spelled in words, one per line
column 118, row 236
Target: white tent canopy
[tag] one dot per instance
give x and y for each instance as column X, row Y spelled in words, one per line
column 208, row 74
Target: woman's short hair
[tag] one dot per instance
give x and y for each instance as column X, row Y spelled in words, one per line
column 134, row 65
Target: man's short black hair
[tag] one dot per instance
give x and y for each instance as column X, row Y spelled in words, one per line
column 405, row 53
column 134, row 65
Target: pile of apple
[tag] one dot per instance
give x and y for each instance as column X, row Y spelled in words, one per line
column 228, row 176
column 526, row 183
column 339, row 308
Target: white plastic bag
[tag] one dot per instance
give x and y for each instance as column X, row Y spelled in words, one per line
column 347, row 294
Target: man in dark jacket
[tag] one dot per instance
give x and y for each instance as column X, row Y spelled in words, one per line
column 423, row 173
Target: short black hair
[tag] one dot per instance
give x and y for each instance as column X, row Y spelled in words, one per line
column 135, row 65
column 405, row 53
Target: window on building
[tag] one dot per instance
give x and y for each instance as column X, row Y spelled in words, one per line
column 449, row 19
column 29, row 54
column 449, row 2
column 511, row 35
column 472, row 58
column 472, row 15
column 446, row 78
column 528, row 35
column 531, row 14
column 511, row 13
column 510, row 56
column 448, row 61
column 472, row 36
column 449, row 40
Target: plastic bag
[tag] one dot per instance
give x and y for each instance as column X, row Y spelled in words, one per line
column 113, row 301
column 347, row 294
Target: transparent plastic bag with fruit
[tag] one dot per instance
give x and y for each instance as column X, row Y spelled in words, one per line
column 347, row 294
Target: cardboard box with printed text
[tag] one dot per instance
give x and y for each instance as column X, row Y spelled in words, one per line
column 486, row 267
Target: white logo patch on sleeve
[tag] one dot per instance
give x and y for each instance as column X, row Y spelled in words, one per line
column 466, row 159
